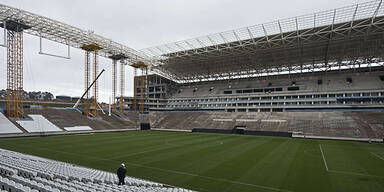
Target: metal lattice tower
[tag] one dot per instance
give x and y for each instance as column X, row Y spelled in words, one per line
column 121, row 58
column 135, row 90
column 143, row 88
column 114, row 83
column 18, row 20
column 96, row 85
column 14, row 44
column 87, row 79
column 122, row 87
column 142, row 80
column 15, row 74
column 92, row 48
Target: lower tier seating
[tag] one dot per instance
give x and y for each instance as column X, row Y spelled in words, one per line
column 328, row 124
column 20, row 172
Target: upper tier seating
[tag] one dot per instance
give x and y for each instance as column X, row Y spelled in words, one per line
column 20, row 172
column 333, row 81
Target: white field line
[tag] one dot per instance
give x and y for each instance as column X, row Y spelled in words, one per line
column 213, row 178
column 176, row 172
column 345, row 172
column 325, row 162
column 376, row 155
column 353, row 173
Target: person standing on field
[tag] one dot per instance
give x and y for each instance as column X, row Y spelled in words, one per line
column 121, row 174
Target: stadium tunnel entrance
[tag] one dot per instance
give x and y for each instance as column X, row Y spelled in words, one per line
column 239, row 129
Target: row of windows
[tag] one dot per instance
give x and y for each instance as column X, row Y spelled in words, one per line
column 277, row 104
column 266, row 90
column 311, row 96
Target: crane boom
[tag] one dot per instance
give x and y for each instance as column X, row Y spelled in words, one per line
column 90, row 86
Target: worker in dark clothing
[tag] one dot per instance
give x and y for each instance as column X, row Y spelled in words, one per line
column 121, row 174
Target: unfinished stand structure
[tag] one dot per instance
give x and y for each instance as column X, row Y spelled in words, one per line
column 140, row 86
column 115, row 59
column 13, row 37
column 91, row 106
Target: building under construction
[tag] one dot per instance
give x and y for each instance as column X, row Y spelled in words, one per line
column 320, row 64
column 331, row 60
column 301, row 79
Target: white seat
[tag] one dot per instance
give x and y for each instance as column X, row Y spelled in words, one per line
column 31, row 173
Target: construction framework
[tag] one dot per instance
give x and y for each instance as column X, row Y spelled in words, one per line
column 114, row 83
column 122, row 87
column 140, row 83
column 91, row 48
column 14, row 44
column 115, row 58
column 87, row 80
column 59, row 32
column 345, row 38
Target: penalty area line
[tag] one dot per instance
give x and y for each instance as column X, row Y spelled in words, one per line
column 345, row 172
column 322, row 154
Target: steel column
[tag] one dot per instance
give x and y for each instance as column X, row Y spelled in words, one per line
column 15, row 90
column 122, row 87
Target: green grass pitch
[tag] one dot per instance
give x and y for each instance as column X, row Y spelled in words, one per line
column 220, row 162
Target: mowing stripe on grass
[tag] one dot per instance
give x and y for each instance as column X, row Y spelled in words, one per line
column 344, row 172
column 322, row 154
column 162, row 148
column 211, row 178
column 377, row 156
column 171, row 171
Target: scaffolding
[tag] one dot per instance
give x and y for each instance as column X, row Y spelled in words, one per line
column 91, row 106
column 115, row 59
column 122, row 87
column 18, row 20
column 14, row 44
column 134, row 103
column 140, row 83
column 114, row 83
column 87, row 79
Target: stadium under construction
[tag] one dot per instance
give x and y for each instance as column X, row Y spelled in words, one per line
column 315, row 76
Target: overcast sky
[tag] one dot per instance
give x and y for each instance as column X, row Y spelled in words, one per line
column 138, row 24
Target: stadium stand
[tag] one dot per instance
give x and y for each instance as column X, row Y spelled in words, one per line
column 38, row 124
column 333, row 90
column 62, row 117
column 264, row 94
column 20, row 172
column 327, row 124
column 7, row 127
